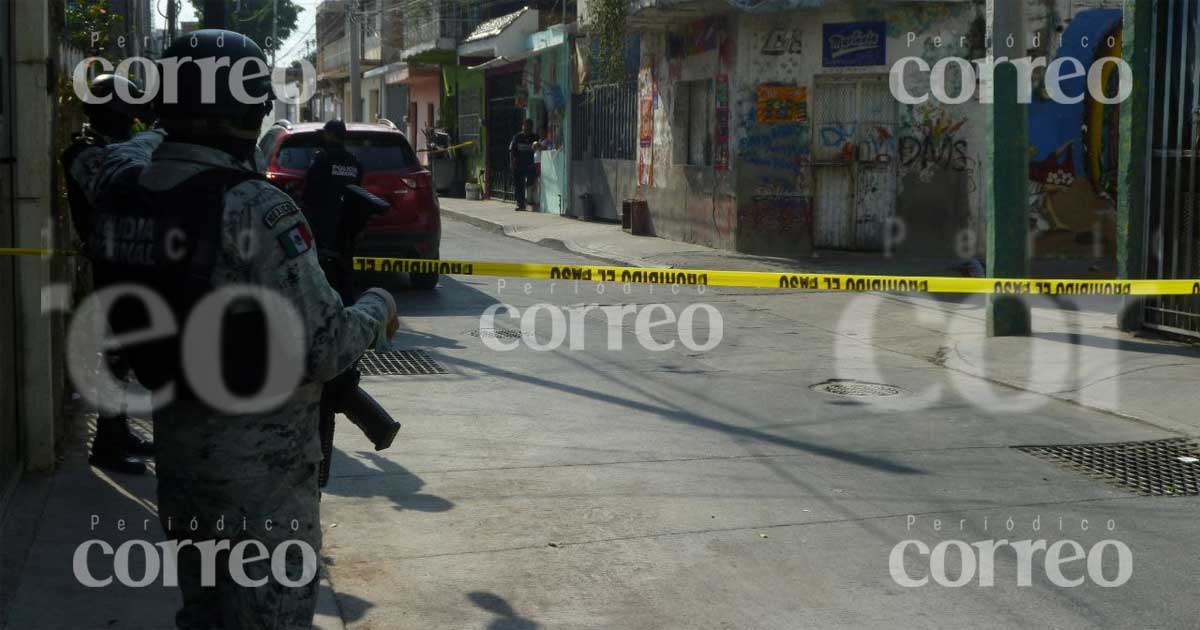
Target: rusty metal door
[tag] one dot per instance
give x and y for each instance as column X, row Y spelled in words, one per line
column 854, row 173
column 1172, row 229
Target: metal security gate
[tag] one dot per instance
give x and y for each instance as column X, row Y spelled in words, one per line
column 503, row 122
column 854, row 164
column 604, row 123
column 1172, row 243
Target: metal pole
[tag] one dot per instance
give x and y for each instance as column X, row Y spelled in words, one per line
column 274, row 30
column 355, row 114
column 172, row 16
column 1008, row 188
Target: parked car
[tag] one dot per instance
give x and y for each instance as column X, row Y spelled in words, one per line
column 413, row 227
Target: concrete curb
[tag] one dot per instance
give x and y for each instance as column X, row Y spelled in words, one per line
column 562, row 245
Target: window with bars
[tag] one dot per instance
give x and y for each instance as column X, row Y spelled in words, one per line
column 694, row 110
column 470, row 101
column 604, row 123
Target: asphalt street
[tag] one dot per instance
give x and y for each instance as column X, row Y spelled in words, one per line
column 567, row 482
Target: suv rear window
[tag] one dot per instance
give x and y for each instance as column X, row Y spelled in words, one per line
column 376, row 151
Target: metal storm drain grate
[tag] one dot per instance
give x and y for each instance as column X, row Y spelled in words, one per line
column 1169, row 468
column 857, row 389
column 495, row 333
column 399, row 363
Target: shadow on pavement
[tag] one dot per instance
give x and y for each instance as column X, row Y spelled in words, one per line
column 452, row 297
column 508, row 618
column 348, row 474
column 686, row 417
column 1122, row 345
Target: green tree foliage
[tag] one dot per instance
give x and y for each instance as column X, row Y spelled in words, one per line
column 253, row 19
column 91, row 25
column 606, row 24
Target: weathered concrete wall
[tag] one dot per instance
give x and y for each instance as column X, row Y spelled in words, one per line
column 687, row 202
column 934, row 151
column 609, row 182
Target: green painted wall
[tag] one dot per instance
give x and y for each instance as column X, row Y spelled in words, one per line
column 465, row 96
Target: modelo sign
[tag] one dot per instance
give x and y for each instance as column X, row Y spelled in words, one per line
column 855, row 44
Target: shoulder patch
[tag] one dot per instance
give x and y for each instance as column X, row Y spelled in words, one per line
column 279, row 212
column 296, row 240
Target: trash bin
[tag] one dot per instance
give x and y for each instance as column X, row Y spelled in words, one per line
column 586, row 211
column 626, row 213
column 639, row 220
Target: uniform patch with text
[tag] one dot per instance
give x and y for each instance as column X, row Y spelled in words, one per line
column 296, row 241
column 279, row 212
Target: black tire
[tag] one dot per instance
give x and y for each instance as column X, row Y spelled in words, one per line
column 424, row 281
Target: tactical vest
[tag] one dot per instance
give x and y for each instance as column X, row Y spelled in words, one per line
column 168, row 242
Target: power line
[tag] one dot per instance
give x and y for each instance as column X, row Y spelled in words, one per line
column 300, row 41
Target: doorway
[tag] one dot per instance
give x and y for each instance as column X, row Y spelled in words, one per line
column 854, row 170
column 503, row 122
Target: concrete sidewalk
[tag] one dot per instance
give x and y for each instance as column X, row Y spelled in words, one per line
column 1077, row 354
column 609, row 242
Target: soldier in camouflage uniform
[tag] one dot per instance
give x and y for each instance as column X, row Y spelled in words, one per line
column 100, row 156
column 225, row 474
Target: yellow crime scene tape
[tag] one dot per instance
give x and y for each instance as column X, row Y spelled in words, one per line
column 839, row 283
column 846, row 283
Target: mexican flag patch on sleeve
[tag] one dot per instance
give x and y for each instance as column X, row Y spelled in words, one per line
column 296, row 241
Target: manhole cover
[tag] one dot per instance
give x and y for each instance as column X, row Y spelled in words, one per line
column 1167, row 468
column 399, row 363
column 857, row 389
column 495, row 333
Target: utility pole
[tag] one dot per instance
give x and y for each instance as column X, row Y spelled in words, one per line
column 214, row 14
column 172, row 16
column 1008, row 186
column 274, row 30
column 355, row 113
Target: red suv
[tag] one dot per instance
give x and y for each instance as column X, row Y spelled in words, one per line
column 413, row 227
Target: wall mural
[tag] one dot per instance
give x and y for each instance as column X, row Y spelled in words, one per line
column 1073, row 151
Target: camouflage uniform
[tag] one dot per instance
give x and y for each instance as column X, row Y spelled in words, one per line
column 232, row 470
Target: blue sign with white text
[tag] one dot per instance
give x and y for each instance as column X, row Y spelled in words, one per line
column 855, row 44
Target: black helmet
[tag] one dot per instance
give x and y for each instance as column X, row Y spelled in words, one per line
column 183, row 95
column 337, row 128
column 104, row 87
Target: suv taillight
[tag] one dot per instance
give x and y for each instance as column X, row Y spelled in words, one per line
column 284, row 181
column 416, row 182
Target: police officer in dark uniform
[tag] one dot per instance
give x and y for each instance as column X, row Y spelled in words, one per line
column 238, row 448
column 333, row 168
column 336, row 224
column 111, row 119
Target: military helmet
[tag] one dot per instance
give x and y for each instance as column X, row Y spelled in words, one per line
column 242, row 100
column 116, row 105
column 337, row 128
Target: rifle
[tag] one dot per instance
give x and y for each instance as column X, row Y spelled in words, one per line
column 343, row 394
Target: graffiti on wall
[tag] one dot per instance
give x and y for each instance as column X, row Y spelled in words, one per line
column 1073, row 151
column 914, row 17
column 931, row 141
column 782, row 41
column 783, row 147
column 704, row 35
column 843, row 142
